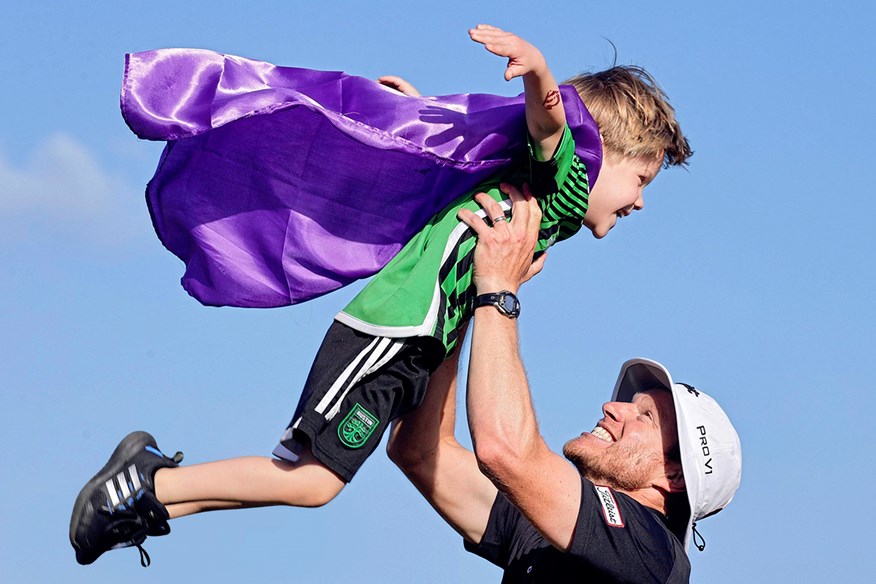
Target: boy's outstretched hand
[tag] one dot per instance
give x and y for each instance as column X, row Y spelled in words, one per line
column 545, row 116
column 523, row 57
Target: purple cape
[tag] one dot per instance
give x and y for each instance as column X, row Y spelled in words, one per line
column 280, row 184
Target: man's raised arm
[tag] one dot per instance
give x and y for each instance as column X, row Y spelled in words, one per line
column 423, row 445
column 509, row 447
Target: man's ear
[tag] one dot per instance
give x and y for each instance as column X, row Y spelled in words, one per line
column 675, row 476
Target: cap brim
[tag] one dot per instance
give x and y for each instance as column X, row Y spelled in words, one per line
column 641, row 375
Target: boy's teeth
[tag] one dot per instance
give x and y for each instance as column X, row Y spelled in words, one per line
column 601, row 434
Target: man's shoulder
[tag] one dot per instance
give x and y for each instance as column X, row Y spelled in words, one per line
column 616, row 509
column 626, row 538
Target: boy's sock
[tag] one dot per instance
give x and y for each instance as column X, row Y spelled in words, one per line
column 118, row 507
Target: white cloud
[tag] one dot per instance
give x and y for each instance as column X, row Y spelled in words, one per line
column 61, row 186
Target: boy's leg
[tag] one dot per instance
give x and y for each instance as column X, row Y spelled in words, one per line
column 252, row 481
column 358, row 384
column 299, row 478
column 137, row 491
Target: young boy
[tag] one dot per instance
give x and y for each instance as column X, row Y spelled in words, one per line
column 375, row 361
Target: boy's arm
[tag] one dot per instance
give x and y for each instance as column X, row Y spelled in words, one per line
column 545, row 117
column 422, row 443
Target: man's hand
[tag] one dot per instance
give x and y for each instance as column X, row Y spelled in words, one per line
column 523, row 57
column 399, row 85
column 503, row 255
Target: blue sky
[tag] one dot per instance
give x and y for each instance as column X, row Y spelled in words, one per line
column 750, row 275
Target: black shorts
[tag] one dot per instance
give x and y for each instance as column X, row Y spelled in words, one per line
column 357, row 385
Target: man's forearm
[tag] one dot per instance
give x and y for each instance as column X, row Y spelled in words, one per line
column 416, row 437
column 501, row 418
column 424, row 446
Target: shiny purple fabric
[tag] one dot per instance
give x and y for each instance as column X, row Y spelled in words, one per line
column 280, row 184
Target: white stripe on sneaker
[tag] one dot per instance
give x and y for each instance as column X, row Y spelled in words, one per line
column 113, row 495
column 135, row 477
column 123, row 485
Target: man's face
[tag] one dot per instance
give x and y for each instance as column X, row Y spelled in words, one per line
column 618, row 191
column 627, row 449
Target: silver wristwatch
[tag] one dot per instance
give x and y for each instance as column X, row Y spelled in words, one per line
column 504, row 301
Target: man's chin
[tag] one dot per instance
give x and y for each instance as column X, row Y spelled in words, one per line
column 579, row 459
column 601, row 472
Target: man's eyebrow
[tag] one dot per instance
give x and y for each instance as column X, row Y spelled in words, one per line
column 663, row 413
column 646, row 406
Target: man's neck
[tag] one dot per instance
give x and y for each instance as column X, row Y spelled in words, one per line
column 649, row 497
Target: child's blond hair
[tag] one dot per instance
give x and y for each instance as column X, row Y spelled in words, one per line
column 633, row 114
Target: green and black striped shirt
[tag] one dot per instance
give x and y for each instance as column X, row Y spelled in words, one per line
column 427, row 288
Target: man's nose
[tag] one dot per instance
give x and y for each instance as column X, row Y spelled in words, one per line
column 615, row 410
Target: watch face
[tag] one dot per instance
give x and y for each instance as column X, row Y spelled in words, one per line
column 504, row 301
column 509, row 303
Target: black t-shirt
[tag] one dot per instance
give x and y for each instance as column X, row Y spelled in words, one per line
column 616, row 540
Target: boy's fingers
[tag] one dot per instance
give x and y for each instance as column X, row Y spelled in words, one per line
column 399, row 84
column 485, row 36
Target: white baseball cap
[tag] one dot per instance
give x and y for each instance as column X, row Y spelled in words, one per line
column 711, row 455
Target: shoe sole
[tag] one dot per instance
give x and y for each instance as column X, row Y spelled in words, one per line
column 129, row 446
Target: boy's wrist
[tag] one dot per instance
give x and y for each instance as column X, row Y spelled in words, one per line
column 538, row 69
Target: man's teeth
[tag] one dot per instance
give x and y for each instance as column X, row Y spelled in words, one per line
column 601, row 433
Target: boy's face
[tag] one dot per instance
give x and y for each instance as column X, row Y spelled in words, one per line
column 618, row 190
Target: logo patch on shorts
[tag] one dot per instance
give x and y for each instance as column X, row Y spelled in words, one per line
column 357, row 427
column 610, row 510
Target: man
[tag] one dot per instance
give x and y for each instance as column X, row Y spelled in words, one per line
column 663, row 456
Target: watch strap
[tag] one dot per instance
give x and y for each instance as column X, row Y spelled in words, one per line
column 504, row 301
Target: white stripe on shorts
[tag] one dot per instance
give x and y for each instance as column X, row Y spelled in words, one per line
column 348, row 372
column 381, row 350
column 395, row 346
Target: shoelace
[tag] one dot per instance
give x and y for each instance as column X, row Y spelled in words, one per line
column 145, row 560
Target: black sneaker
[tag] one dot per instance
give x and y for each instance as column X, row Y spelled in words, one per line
column 118, row 508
